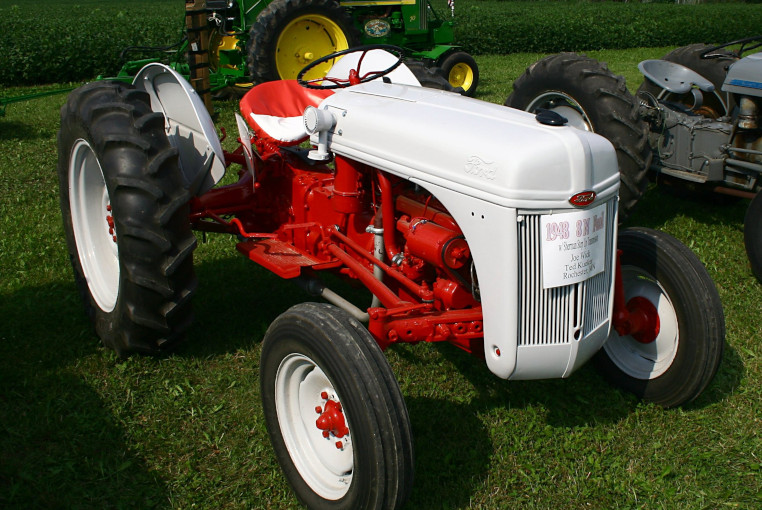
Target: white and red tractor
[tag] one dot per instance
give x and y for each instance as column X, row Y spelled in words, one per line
column 487, row 227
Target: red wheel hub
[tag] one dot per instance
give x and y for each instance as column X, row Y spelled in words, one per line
column 645, row 319
column 110, row 222
column 331, row 419
column 637, row 318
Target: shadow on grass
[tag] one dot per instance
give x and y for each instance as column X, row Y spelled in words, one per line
column 60, row 443
column 12, row 130
column 662, row 203
column 60, row 447
column 451, row 456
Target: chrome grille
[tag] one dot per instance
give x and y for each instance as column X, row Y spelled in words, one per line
column 558, row 315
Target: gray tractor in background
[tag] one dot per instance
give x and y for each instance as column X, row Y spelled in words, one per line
column 694, row 123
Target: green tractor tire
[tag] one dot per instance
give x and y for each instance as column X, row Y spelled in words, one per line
column 289, row 34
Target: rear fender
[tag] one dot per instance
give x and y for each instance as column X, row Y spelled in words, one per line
column 187, row 123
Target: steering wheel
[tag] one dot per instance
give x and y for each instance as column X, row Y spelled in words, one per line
column 354, row 75
column 747, row 44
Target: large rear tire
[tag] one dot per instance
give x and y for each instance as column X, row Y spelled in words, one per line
column 334, row 411
column 289, row 34
column 676, row 363
column 125, row 215
column 594, row 99
column 752, row 235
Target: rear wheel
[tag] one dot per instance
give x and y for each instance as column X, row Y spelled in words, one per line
column 752, row 235
column 461, row 70
column 334, row 411
column 672, row 362
column 125, row 215
column 289, row 34
column 594, row 99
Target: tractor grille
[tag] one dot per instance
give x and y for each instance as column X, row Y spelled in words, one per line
column 560, row 314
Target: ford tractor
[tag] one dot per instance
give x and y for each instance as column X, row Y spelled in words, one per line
column 490, row 228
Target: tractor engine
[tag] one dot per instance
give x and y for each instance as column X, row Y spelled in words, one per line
column 492, row 207
column 694, row 143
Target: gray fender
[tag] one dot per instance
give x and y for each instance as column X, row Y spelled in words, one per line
column 187, row 123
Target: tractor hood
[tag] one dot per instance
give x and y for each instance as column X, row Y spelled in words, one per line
column 480, row 149
column 744, row 77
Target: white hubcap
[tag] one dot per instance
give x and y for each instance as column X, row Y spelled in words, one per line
column 93, row 225
column 325, row 463
column 639, row 360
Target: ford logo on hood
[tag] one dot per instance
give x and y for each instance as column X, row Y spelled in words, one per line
column 582, row 199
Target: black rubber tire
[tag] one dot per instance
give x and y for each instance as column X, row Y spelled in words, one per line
column 451, row 66
column 655, row 263
column 378, row 421
column 713, row 69
column 752, row 235
column 610, row 110
column 270, row 23
column 429, row 77
column 149, row 209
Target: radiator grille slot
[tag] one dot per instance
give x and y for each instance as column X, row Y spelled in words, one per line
column 560, row 314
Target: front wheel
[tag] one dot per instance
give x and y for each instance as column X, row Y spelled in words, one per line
column 752, row 235
column 674, row 361
column 461, row 71
column 594, row 99
column 334, row 411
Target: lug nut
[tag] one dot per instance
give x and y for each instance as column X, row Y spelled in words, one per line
column 339, row 445
column 324, row 395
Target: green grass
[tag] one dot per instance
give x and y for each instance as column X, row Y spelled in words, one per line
column 80, row 428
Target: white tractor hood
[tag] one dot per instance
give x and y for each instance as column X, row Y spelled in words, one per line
column 484, row 150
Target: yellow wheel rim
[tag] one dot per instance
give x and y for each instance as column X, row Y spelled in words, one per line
column 461, row 75
column 218, row 43
column 305, row 39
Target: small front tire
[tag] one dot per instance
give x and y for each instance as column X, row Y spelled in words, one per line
column 461, row 71
column 678, row 361
column 334, row 411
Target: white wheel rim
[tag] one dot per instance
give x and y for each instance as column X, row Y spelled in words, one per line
column 90, row 212
column 323, row 466
column 563, row 105
column 639, row 360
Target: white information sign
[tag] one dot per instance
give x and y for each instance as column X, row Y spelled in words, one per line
column 573, row 246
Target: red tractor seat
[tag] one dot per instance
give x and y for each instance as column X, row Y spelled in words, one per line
column 274, row 110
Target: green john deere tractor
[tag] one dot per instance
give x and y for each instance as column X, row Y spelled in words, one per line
column 252, row 41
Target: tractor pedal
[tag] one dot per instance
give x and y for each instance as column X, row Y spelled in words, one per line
column 279, row 257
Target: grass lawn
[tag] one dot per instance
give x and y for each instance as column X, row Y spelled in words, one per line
column 80, row 428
